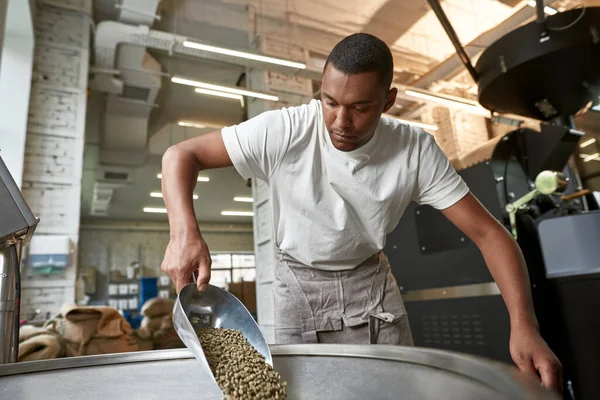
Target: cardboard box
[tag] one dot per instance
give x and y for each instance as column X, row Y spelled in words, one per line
column 246, row 293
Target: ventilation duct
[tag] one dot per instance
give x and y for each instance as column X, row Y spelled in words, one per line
column 137, row 12
column 132, row 85
column 110, row 35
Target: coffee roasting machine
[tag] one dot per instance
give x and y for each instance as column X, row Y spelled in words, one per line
column 17, row 224
column 547, row 70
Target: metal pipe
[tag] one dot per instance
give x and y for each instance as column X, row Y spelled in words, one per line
column 9, row 333
column 539, row 10
column 462, row 54
column 16, row 262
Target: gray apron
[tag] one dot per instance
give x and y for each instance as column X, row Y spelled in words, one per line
column 358, row 306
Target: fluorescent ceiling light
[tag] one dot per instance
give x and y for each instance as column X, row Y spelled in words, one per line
column 587, row 143
column 448, row 101
column 200, row 178
column 219, row 94
column 160, row 195
column 547, row 10
column 242, row 54
column 238, row 213
column 591, row 157
column 155, row 210
column 190, row 124
column 200, row 125
column 243, row 199
column 415, row 123
column 226, row 89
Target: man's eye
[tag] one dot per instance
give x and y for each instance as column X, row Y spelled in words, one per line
column 331, row 104
column 360, row 109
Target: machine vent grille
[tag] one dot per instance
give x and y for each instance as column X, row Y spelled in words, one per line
column 452, row 330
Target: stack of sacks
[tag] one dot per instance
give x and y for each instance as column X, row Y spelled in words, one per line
column 90, row 330
column 143, row 336
column 158, row 320
column 39, row 344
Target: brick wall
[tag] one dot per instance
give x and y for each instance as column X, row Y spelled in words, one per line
column 459, row 132
column 54, row 143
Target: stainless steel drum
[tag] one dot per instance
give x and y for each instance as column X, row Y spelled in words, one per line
column 312, row 371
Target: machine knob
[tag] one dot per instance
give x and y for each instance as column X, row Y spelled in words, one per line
column 549, row 182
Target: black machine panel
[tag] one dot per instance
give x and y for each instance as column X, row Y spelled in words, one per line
column 450, row 262
column 436, row 233
column 579, row 313
column 414, row 270
column 474, row 325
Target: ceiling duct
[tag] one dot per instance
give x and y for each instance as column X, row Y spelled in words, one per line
column 110, row 35
column 138, row 12
column 131, row 77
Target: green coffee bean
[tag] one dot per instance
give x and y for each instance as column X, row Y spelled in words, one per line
column 240, row 370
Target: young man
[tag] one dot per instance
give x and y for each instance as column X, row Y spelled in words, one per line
column 340, row 177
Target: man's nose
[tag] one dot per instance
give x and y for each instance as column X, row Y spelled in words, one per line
column 343, row 119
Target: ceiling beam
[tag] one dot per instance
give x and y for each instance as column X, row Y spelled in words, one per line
column 394, row 18
column 452, row 65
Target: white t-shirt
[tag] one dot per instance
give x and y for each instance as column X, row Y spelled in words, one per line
column 333, row 209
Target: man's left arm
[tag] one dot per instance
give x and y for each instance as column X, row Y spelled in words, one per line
column 507, row 266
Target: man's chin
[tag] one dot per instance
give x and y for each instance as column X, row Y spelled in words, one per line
column 343, row 146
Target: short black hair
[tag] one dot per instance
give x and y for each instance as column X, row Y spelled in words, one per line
column 362, row 52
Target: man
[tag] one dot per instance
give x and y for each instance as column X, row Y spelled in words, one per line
column 340, row 177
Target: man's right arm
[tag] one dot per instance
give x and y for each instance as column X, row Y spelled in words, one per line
column 255, row 147
column 187, row 251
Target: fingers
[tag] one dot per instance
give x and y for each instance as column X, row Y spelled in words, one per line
column 525, row 364
column 183, row 259
column 203, row 275
column 181, row 280
column 551, row 373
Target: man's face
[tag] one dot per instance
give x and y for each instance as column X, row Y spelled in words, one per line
column 352, row 106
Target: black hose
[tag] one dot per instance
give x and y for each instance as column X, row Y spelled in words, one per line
column 539, row 7
column 462, row 54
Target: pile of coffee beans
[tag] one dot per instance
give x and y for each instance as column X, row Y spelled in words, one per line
column 240, row 370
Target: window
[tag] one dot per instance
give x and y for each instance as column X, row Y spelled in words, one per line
column 232, row 267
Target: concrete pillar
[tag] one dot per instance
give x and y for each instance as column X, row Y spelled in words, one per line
column 292, row 91
column 15, row 80
column 55, row 141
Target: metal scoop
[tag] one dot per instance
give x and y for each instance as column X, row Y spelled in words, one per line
column 214, row 308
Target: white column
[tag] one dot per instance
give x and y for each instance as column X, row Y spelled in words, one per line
column 55, row 140
column 15, row 81
column 292, row 91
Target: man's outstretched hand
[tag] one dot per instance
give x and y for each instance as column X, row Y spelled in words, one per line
column 533, row 356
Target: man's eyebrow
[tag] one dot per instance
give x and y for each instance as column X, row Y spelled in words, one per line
column 355, row 103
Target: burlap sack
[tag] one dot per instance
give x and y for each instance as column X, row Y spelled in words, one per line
column 143, row 336
column 39, row 344
column 151, row 324
column 90, row 330
column 157, row 307
column 166, row 337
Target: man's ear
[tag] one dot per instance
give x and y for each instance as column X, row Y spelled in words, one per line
column 390, row 99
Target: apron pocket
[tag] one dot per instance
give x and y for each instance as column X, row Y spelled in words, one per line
column 387, row 328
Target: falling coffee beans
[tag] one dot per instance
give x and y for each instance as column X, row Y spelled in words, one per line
column 239, row 369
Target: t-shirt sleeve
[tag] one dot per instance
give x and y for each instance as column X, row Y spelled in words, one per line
column 438, row 183
column 257, row 146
